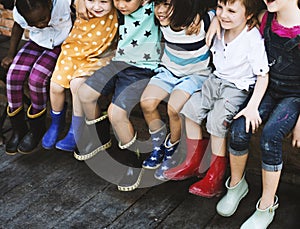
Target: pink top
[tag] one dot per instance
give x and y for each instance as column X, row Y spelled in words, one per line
column 279, row 29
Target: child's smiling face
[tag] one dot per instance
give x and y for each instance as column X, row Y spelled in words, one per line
column 163, row 11
column 98, row 8
column 127, row 7
column 232, row 16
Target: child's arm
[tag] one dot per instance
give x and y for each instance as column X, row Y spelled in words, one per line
column 194, row 27
column 81, row 9
column 16, row 35
column 251, row 110
column 214, row 29
column 296, row 134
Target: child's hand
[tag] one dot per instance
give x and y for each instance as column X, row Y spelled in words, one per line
column 214, row 29
column 6, row 62
column 194, row 27
column 296, row 134
column 145, row 2
column 81, row 10
column 252, row 117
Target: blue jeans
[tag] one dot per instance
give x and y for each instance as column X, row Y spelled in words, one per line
column 279, row 116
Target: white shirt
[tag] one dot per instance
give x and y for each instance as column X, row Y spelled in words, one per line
column 242, row 59
column 57, row 30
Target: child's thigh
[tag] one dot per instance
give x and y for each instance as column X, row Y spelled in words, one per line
column 164, row 79
column 196, row 108
column 190, row 83
column 283, row 117
column 224, row 109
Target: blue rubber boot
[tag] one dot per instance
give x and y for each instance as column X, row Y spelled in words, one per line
column 68, row 143
column 57, row 125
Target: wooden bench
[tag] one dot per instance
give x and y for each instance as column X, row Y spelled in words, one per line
column 291, row 156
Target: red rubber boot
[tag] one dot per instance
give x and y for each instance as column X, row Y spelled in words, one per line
column 212, row 184
column 190, row 167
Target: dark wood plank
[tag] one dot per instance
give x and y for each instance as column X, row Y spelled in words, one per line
column 101, row 210
column 153, row 207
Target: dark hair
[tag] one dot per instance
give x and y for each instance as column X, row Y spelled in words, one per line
column 185, row 11
column 25, row 6
column 253, row 7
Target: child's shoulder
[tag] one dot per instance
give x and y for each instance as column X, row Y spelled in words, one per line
column 253, row 33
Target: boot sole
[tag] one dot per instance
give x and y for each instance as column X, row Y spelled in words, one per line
column 133, row 186
column 37, row 148
column 93, row 153
column 64, row 149
column 217, row 194
column 149, row 167
column 11, row 153
column 230, row 214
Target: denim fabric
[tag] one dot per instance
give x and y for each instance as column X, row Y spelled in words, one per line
column 125, row 81
column 280, row 106
column 279, row 116
column 284, row 58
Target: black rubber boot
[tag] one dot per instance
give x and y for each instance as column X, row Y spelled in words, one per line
column 95, row 139
column 132, row 156
column 19, row 127
column 37, row 124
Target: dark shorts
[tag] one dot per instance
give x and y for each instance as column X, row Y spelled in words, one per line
column 126, row 83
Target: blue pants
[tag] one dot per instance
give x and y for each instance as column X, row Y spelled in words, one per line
column 279, row 116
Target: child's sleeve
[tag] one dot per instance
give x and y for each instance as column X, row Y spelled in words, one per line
column 257, row 53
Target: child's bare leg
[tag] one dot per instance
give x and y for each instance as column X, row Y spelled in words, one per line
column 270, row 181
column 75, row 85
column 177, row 100
column 218, row 146
column 150, row 99
column 237, row 168
column 120, row 123
column 88, row 98
column 193, row 129
column 57, row 97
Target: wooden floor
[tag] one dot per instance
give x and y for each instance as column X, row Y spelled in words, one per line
column 50, row 189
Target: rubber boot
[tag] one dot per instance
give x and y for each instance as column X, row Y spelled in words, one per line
column 19, row 127
column 133, row 159
column 261, row 219
column 158, row 152
column 37, row 124
column 212, row 184
column 228, row 204
column 96, row 139
column 168, row 160
column 57, row 125
column 68, row 143
column 190, row 166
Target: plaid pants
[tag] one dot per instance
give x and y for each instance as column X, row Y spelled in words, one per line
column 36, row 64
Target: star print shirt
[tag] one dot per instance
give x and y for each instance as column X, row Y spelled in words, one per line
column 139, row 39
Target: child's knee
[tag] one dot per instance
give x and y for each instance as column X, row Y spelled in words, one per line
column 86, row 94
column 148, row 105
column 56, row 88
column 116, row 114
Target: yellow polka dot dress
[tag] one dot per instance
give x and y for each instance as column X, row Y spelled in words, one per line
column 89, row 46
